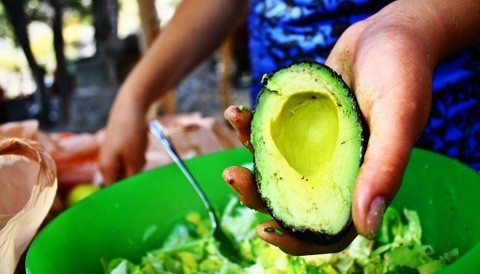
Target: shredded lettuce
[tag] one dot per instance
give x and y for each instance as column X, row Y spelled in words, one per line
column 190, row 248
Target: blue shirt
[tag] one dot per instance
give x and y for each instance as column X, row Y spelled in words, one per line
column 285, row 31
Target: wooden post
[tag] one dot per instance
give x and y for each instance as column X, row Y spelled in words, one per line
column 226, row 51
column 151, row 28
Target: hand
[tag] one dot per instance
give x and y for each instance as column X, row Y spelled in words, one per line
column 389, row 69
column 123, row 150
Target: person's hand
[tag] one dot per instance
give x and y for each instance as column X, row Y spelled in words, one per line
column 389, row 67
column 387, row 63
column 123, row 149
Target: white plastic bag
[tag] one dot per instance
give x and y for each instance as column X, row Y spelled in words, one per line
column 28, row 184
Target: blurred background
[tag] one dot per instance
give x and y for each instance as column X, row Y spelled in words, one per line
column 62, row 62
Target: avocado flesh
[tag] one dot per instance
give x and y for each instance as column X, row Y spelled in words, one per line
column 308, row 142
column 309, row 121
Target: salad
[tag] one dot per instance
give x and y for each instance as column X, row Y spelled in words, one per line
column 190, row 248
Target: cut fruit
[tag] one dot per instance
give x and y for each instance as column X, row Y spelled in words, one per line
column 309, row 141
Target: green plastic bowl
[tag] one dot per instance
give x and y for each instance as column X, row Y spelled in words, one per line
column 133, row 216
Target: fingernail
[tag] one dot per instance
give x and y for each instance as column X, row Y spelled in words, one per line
column 227, row 178
column 232, row 121
column 230, row 180
column 375, row 215
column 271, row 229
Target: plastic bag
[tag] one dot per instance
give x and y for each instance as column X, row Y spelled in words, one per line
column 28, row 185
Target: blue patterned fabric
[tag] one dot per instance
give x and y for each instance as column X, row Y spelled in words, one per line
column 284, row 31
column 454, row 125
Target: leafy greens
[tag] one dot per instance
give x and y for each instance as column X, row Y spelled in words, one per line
column 190, row 248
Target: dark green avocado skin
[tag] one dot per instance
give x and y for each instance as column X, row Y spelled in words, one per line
column 308, row 235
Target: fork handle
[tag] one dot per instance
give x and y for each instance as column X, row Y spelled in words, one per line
column 159, row 133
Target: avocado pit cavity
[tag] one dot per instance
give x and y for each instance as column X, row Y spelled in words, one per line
column 306, row 132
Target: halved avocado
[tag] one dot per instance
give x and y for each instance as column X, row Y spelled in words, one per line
column 309, row 140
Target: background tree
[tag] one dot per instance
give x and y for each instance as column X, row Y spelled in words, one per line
column 63, row 80
column 105, row 21
column 16, row 16
column 19, row 14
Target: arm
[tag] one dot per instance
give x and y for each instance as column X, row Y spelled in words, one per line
column 388, row 60
column 391, row 58
column 196, row 30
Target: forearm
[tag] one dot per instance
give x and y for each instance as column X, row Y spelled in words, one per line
column 445, row 26
column 196, row 30
column 460, row 21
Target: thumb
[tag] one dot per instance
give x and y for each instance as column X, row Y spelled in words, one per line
column 380, row 175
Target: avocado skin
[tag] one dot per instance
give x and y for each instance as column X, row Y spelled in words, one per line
column 319, row 238
column 309, row 235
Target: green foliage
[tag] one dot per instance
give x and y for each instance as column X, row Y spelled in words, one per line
column 40, row 10
column 81, row 7
column 6, row 29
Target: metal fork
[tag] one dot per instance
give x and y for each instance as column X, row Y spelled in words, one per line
column 226, row 246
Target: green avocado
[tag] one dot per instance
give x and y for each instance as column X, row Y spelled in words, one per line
column 309, row 140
